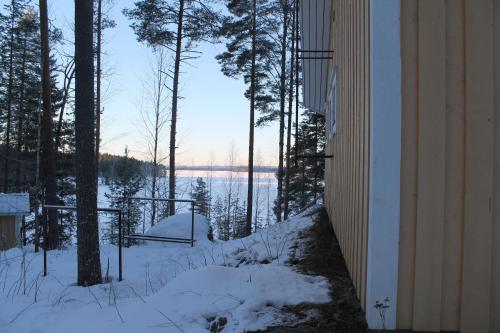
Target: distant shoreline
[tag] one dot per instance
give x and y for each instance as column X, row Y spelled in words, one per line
column 238, row 168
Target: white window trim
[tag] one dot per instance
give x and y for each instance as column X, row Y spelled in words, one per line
column 330, row 107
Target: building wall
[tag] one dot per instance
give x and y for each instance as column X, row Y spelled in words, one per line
column 7, row 232
column 347, row 173
column 449, row 260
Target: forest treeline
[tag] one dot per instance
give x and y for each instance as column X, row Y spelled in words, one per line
column 51, row 104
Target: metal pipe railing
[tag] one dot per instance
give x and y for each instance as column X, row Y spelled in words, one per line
column 46, row 208
column 136, row 236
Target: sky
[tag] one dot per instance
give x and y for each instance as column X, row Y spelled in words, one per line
column 213, row 113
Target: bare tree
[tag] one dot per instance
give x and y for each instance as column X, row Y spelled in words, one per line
column 154, row 119
column 89, row 264
column 68, row 74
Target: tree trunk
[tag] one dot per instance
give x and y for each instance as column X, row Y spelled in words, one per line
column 98, row 88
column 289, row 127
column 20, row 120
column 173, row 124
column 279, row 196
column 155, row 145
column 38, row 192
column 248, row 229
column 89, row 264
column 9, row 103
column 297, row 82
column 48, row 176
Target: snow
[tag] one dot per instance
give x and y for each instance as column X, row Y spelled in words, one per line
column 179, row 225
column 14, row 203
column 166, row 288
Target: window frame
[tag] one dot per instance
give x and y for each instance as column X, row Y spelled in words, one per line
column 331, row 105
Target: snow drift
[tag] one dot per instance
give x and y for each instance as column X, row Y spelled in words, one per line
column 179, row 225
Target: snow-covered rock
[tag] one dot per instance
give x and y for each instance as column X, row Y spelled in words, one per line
column 179, row 225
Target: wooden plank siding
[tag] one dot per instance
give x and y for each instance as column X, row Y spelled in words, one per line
column 495, row 271
column 449, row 257
column 346, row 175
column 7, row 232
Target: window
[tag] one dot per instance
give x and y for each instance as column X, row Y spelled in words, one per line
column 331, row 106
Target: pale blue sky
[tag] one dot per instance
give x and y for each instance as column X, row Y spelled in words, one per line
column 212, row 114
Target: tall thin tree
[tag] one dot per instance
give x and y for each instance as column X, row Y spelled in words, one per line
column 289, row 125
column 98, row 86
column 175, row 97
column 47, row 136
column 248, row 229
column 9, row 96
column 89, row 264
column 282, row 89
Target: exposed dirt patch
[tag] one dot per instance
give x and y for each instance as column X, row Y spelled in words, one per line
column 323, row 257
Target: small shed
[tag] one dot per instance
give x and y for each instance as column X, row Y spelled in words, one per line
column 13, row 206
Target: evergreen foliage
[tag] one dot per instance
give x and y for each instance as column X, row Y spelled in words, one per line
column 127, row 180
column 236, row 61
column 307, row 176
column 201, row 197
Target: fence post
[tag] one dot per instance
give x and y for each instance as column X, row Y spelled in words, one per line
column 119, row 245
column 192, row 223
column 44, row 220
column 128, row 220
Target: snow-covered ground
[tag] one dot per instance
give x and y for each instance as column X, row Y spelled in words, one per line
column 166, row 287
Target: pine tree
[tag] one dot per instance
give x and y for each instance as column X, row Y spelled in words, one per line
column 48, row 166
column 221, row 220
column 127, row 181
column 89, row 263
column 307, row 176
column 286, row 196
column 179, row 26
column 201, row 197
column 284, row 6
column 247, row 55
column 9, row 32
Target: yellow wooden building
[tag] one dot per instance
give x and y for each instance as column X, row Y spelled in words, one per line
column 13, row 206
column 411, row 94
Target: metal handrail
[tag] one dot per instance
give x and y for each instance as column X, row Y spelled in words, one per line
column 129, row 200
column 46, row 208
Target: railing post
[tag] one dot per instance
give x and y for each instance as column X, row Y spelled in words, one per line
column 44, row 226
column 119, row 245
column 128, row 221
column 192, row 223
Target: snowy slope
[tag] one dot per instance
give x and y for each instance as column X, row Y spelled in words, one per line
column 166, row 287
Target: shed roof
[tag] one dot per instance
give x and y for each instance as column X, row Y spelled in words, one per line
column 315, row 21
column 14, row 204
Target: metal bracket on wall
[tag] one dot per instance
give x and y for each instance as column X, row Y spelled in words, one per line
column 315, row 51
column 314, row 156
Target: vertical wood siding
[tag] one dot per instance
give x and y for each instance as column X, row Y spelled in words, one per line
column 346, row 175
column 449, row 263
column 7, row 232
